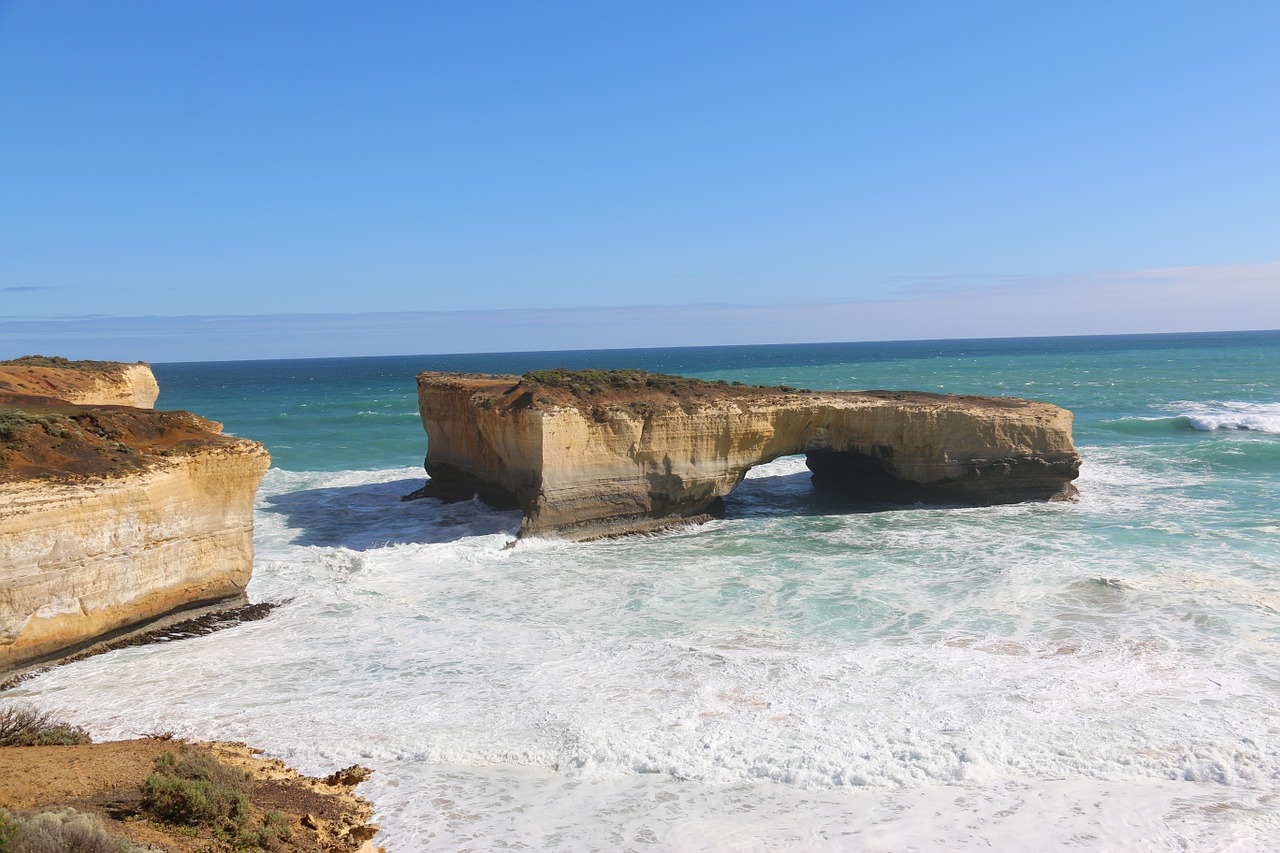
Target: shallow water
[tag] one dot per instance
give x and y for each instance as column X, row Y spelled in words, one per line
column 1098, row 674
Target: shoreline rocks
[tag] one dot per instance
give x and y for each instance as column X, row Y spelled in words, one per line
column 104, row 779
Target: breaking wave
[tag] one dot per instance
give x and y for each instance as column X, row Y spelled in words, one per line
column 1205, row 417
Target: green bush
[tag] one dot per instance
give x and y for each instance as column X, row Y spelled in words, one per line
column 62, row 831
column 14, row 422
column 592, row 383
column 9, row 829
column 272, row 834
column 193, row 788
column 29, row 727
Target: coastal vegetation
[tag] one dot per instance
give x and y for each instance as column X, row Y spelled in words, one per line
column 640, row 391
column 192, row 788
column 58, row 831
column 15, row 422
column 595, row 383
column 21, row 726
column 60, row 362
column 160, row 793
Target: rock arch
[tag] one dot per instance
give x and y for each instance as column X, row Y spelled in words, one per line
column 615, row 457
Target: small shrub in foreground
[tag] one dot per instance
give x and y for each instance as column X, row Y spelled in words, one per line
column 62, row 831
column 29, row 727
column 193, row 787
column 275, row 830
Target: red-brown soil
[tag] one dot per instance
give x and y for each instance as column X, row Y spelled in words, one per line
column 105, row 779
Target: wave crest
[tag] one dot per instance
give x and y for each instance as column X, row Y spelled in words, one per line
column 1215, row 415
column 1205, row 417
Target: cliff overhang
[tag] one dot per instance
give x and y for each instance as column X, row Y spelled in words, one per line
column 585, row 454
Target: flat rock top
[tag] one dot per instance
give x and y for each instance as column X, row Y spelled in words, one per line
column 644, row 392
column 53, row 376
column 46, row 438
column 43, row 436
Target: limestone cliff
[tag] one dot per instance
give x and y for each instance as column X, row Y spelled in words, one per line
column 89, row 383
column 599, row 453
column 114, row 516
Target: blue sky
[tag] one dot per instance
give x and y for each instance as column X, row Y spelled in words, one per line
column 856, row 170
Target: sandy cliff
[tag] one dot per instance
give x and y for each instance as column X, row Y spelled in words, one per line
column 114, row 516
column 89, row 383
column 606, row 452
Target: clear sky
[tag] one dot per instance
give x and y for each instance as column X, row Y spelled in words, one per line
column 820, row 171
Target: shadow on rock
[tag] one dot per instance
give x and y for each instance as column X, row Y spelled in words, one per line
column 372, row 515
column 794, row 494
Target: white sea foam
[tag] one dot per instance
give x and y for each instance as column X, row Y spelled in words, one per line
column 1080, row 674
column 1214, row 415
column 782, row 467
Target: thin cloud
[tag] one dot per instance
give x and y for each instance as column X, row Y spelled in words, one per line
column 24, row 288
column 1185, row 299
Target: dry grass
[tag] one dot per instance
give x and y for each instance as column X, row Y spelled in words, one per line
column 60, row 831
column 20, row 726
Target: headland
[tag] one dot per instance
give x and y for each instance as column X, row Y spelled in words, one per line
column 113, row 516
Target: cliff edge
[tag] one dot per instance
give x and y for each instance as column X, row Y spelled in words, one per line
column 113, row 516
column 89, row 383
column 601, row 453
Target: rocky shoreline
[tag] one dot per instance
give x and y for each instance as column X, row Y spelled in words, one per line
column 105, row 780
column 192, row 622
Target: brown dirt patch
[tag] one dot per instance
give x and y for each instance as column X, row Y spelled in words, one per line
column 54, row 376
column 594, row 392
column 105, row 778
column 43, row 437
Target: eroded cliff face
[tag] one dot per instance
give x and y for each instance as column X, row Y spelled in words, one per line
column 89, row 383
column 626, row 452
column 114, row 516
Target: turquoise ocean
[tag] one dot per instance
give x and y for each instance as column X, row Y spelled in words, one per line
column 1102, row 674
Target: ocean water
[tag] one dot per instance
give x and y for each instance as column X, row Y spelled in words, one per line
column 1103, row 674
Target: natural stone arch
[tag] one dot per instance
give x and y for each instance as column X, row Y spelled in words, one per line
column 623, row 460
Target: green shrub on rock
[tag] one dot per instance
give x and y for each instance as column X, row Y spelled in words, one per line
column 275, row 830
column 193, row 788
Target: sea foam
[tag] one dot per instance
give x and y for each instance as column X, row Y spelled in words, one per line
column 925, row 677
column 1215, row 415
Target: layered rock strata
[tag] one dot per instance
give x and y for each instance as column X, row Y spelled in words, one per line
column 602, row 453
column 112, row 517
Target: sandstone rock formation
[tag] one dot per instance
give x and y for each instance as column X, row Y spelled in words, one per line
column 89, row 383
column 601, row 453
column 114, row 516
